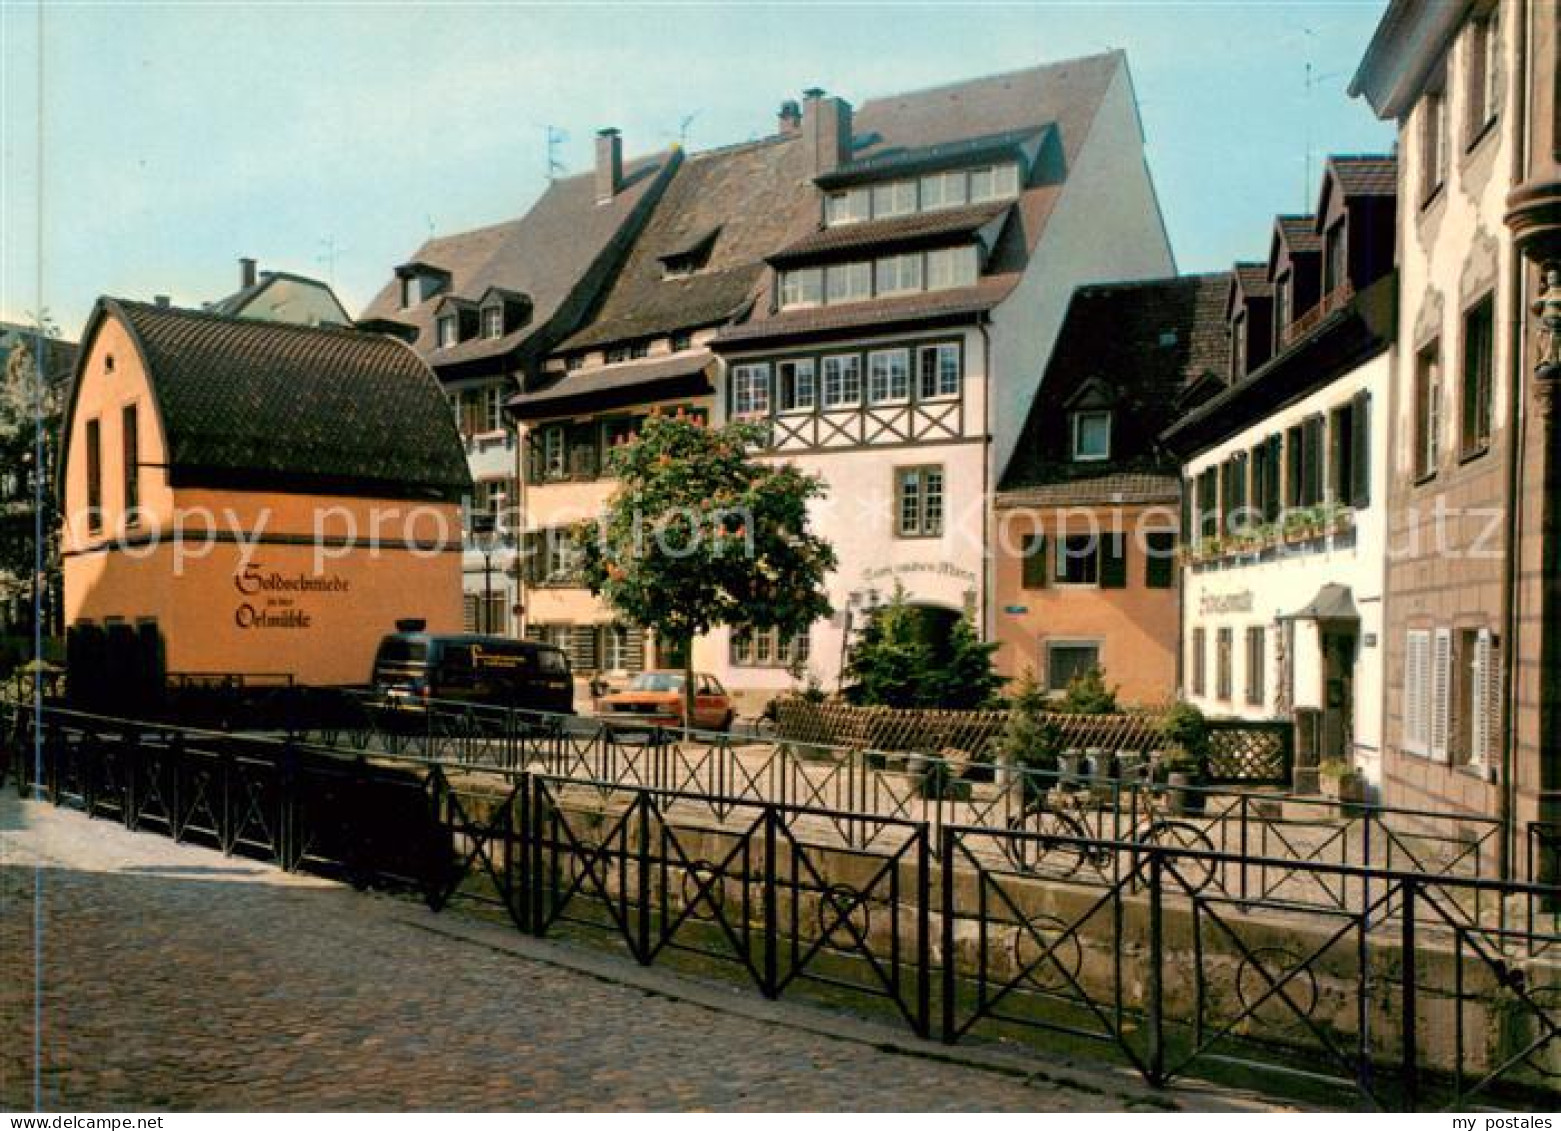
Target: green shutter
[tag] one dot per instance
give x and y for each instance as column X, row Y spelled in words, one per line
column 1360, row 465
column 1160, row 560
column 1113, row 562
column 1034, row 574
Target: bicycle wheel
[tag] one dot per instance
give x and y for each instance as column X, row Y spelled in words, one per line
column 1196, row 872
column 1050, row 847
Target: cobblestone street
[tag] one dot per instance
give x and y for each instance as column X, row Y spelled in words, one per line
column 174, row 977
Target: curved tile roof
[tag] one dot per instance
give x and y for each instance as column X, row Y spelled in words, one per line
column 251, row 405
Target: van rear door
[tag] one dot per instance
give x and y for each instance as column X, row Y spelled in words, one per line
column 400, row 664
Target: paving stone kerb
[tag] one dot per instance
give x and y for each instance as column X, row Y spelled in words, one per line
column 176, row 978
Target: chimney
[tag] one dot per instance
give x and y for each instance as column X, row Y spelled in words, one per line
column 162, row 301
column 609, row 164
column 790, row 118
column 246, row 272
column 826, row 128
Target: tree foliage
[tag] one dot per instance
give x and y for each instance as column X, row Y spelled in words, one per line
column 1089, row 694
column 700, row 534
column 24, row 400
column 893, row 664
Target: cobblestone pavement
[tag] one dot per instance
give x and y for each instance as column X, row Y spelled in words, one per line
column 176, row 978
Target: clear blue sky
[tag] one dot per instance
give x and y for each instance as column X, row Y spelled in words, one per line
column 180, row 136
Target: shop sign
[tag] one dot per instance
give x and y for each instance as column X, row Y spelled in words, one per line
column 272, row 598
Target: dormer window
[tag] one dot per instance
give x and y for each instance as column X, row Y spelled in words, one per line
column 1335, row 262
column 804, row 287
column 943, row 190
column 493, row 321
column 1283, row 309
column 573, row 361
column 419, row 283
column 682, row 340
column 692, row 256
column 897, row 198
column 1238, row 346
column 448, row 327
column 1091, row 435
column 848, row 206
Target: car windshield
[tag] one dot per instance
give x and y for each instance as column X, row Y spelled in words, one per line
column 656, row 681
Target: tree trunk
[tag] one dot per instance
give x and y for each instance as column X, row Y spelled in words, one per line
column 688, row 684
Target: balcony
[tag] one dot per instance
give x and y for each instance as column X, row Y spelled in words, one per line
column 1336, row 299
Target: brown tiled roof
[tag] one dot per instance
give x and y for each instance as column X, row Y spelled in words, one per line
column 917, row 228
column 255, row 405
column 896, row 160
column 548, row 255
column 1299, row 233
column 605, row 381
column 1126, row 487
column 1366, row 174
column 1253, row 278
column 883, row 312
column 751, row 194
column 1135, row 346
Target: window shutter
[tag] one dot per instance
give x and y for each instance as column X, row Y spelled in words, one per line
column 1338, row 441
column 1113, row 562
column 1159, row 561
column 1441, row 694
column 582, row 647
column 1035, row 563
column 1271, row 504
column 634, row 648
column 1360, row 490
column 533, row 464
column 534, row 632
column 1312, row 437
column 533, row 564
column 470, row 606
column 1485, row 700
column 1415, row 674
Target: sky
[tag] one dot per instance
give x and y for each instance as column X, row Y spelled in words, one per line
column 331, row 139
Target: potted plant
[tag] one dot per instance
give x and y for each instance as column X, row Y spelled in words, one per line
column 1339, row 781
column 1031, row 743
column 1186, row 735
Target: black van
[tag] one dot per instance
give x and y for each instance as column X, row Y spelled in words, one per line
column 491, row 670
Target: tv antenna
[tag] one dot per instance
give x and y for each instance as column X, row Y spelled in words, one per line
column 330, row 252
column 556, row 136
column 1310, row 82
column 683, row 124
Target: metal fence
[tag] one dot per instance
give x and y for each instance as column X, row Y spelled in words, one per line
column 1395, row 997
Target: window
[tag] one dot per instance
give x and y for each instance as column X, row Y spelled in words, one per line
column 767, row 648
column 897, row 198
column 1427, row 693
column 556, row 558
column 1433, row 143
column 994, row 183
column 919, row 501
column 1199, row 686
column 1303, row 463
column 614, row 648
column 1066, row 662
column 803, row 287
column 1091, row 435
column 1335, row 261
column 848, row 282
column 1478, row 369
column 554, row 456
column 942, row 190
column 1224, row 645
column 493, row 322
column 1478, row 705
column 1484, row 73
column 888, row 376
column 681, row 341
column 939, row 371
column 1160, row 559
column 1349, row 452
column 94, row 477
column 1283, row 309
column 1034, row 564
column 449, row 330
column 1208, row 503
column 951, row 267
column 574, row 361
column 899, row 273
column 750, row 390
column 798, row 390
column 479, row 410
column 847, row 207
column 615, row 354
column 1238, row 346
column 1078, row 559
column 842, row 380
column 639, row 349
column 1428, row 410
column 132, row 460
column 1256, row 640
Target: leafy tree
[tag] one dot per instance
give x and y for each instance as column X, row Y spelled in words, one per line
column 1031, row 740
column 24, row 400
column 700, row 534
column 1088, row 694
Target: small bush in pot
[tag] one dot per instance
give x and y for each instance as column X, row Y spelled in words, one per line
column 1186, row 762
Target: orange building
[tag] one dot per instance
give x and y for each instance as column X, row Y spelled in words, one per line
column 1087, row 512
column 250, row 499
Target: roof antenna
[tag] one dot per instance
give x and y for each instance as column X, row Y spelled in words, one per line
column 683, row 124
column 1310, row 83
column 556, row 137
column 330, row 253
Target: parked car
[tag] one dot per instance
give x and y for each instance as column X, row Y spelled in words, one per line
column 655, row 698
column 413, row 667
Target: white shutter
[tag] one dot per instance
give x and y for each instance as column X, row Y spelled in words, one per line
column 1485, row 698
column 1416, row 671
column 1441, row 694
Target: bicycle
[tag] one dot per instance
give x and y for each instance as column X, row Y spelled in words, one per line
column 1061, row 844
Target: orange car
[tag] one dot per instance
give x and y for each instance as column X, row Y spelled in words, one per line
column 656, row 699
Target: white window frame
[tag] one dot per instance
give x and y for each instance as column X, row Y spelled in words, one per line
column 963, row 268
column 848, row 206
column 896, row 193
column 849, row 375
column 448, row 329
column 555, row 452
column 898, row 274
column 920, row 501
column 493, row 321
column 941, row 389
column 857, row 286
column 1076, row 431
column 751, row 389
column 887, row 391
column 789, row 394
column 794, row 291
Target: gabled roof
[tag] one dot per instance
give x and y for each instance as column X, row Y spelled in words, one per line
column 750, row 196
column 611, row 386
column 1146, row 342
column 236, row 304
column 253, row 405
column 961, row 304
column 1299, row 235
column 904, row 160
column 1358, row 176
column 559, row 253
column 1248, row 281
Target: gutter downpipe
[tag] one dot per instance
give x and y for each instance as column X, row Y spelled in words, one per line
column 1517, row 441
column 988, row 503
